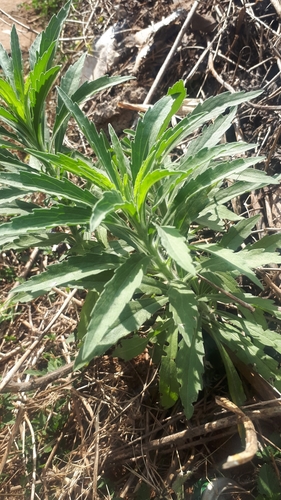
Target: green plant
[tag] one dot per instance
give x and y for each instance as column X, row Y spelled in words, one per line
column 134, row 228
column 268, row 481
column 268, row 484
column 46, row 8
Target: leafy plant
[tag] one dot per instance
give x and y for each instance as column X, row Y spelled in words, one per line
column 268, row 484
column 46, row 8
column 134, row 224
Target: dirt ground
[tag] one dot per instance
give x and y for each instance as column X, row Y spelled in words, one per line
column 12, row 12
column 102, row 433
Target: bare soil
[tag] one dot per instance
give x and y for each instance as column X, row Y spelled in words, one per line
column 12, row 12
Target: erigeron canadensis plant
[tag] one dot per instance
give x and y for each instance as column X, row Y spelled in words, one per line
column 132, row 229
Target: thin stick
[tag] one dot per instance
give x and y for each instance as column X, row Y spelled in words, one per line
column 171, row 53
column 34, row 457
column 251, row 442
column 228, row 294
column 18, row 22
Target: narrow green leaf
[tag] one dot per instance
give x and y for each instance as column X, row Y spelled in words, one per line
column 259, row 258
column 190, row 368
column 203, row 113
column 32, row 83
column 216, row 105
column 69, row 84
column 6, row 64
column 43, row 41
column 202, row 160
column 142, row 185
column 253, row 175
column 8, row 195
column 70, row 271
column 77, row 167
column 45, row 83
column 31, row 181
column 234, row 337
column 8, row 94
column 133, row 316
column 184, row 308
column 85, row 314
column 234, row 381
column 268, row 483
column 176, row 247
column 224, row 258
column 269, row 242
column 109, row 202
column 17, row 206
column 189, row 360
column 122, row 162
column 152, row 125
column 79, row 96
column 7, row 159
column 102, row 83
column 178, row 94
column 213, row 133
column 70, row 81
column 130, row 348
column 46, row 218
column 237, row 233
column 42, row 240
column 117, row 293
column 168, row 383
column 96, row 140
column 17, row 63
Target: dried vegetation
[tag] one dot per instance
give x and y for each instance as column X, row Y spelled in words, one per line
column 102, row 433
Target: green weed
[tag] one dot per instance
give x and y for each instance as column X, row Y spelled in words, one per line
column 134, row 230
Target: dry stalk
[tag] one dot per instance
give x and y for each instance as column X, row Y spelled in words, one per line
column 251, row 447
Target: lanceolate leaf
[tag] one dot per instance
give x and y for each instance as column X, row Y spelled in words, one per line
column 17, row 64
column 168, row 383
column 176, row 247
column 8, row 195
column 189, row 360
column 117, row 293
column 122, row 162
column 150, row 126
column 184, row 308
column 130, row 348
column 9, row 95
column 79, row 96
column 238, row 233
column 234, row 381
column 77, row 167
column 249, row 353
column 95, row 139
column 46, row 218
column 109, row 202
column 133, row 316
column 223, row 258
column 142, row 186
column 31, row 181
column 213, row 133
column 6, row 64
column 51, row 33
column 190, row 368
column 74, row 269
